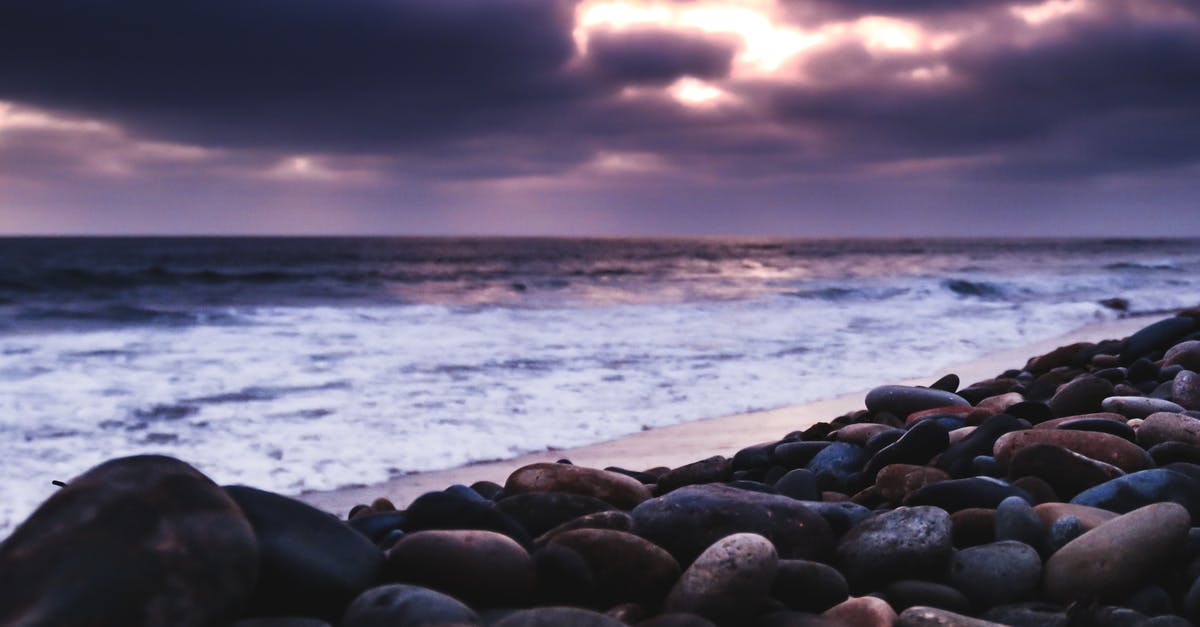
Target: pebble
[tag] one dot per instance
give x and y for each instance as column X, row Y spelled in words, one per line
column 934, row 617
column 996, row 573
column 859, row 433
column 904, row 543
column 445, row 510
column 1081, row 396
column 1068, row 473
column 729, row 580
column 613, row 488
column 809, row 586
column 797, row 454
column 1185, row 354
column 1089, row 517
column 907, row 593
column 1064, row 530
column 1161, row 427
column 1139, row 406
column 557, row 617
column 482, row 568
column 902, row 400
column 1109, row 449
column 411, row 606
column 539, row 512
column 896, row 481
column 677, row 619
column 834, row 464
column 1185, row 390
column 1156, row 337
column 800, row 484
column 1031, row 614
column 958, row 494
column 689, row 520
column 917, row 446
column 956, row 460
column 1016, row 520
column 862, row 612
column 1115, row 558
column 136, row 540
column 1139, row 489
column 715, row 469
column 626, row 568
column 611, row 519
column 973, row 526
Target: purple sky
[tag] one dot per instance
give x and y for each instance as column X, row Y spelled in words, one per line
column 604, row 117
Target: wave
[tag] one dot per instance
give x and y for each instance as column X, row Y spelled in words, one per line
column 124, row 314
column 963, row 287
column 1165, row 264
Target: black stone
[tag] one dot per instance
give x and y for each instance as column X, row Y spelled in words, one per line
column 957, row 494
column 1171, row 452
column 443, row 510
column 957, row 458
column 311, row 563
column 757, row 456
column 906, row 593
column 379, row 524
column 883, row 439
column 563, row 577
column 948, row 383
column 800, row 484
column 145, row 540
column 904, row 543
column 1137, row 489
column 539, row 512
column 809, row 586
column 489, row 490
column 798, row 454
column 1156, row 337
column 411, row 606
column 917, row 446
column 1102, row 425
column 1033, row 411
column 1081, row 396
column 903, row 400
column 836, row 462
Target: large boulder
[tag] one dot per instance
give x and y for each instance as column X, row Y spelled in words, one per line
column 145, row 540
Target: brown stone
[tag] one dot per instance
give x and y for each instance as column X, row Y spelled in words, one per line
column 973, row 526
column 1066, row 471
column 1055, row 423
column 949, row 410
column 619, row 490
column 1168, row 427
column 1000, row 402
column 859, row 432
column 1186, row 354
column 862, row 612
column 1104, row 447
column 1090, row 517
column 627, row 568
column 1116, row 557
column 482, row 568
column 896, row 481
column 1057, row 358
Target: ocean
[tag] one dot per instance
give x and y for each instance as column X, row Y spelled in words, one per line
column 311, row 363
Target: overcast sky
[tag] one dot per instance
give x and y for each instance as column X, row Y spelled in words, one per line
column 606, row 117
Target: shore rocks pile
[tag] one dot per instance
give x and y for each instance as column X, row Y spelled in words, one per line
column 1066, row 492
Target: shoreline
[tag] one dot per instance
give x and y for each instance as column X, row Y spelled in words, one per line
column 686, row 442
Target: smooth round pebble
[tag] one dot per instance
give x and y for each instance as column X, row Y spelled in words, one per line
column 996, row 573
column 411, row 606
column 730, row 579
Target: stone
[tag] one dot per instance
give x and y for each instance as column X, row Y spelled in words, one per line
column 948, row 383
column 1054, row 423
column 958, row 494
column 539, row 512
column 677, row 619
column 800, row 484
column 996, row 573
column 809, row 586
column 1139, row 406
column 896, row 481
column 690, row 519
column 883, row 439
column 836, row 463
column 613, row 488
column 311, row 563
column 481, row 568
column 862, row 612
column 1063, row 531
column 489, row 490
column 1185, row 390
column 145, row 540
column 445, row 510
column 1138, row 489
column 376, row 525
column 1058, row 358
column 1081, row 396
column 730, row 580
column 973, row 526
column 795, row 619
column 1031, row 614
column 1111, row 427
column 907, row 593
column 1066, row 471
column 917, row 446
column 1161, row 427
column 754, row 456
column 1035, row 412
column 919, row 616
column 1089, row 517
column 902, row 400
column 716, row 469
column 1000, row 402
column 1037, row 488
column 1115, row 558
column 557, row 617
column 956, row 460
column 904, row 543
column 611, row 519
column 1172, row 452
column 1016, row 520
column 859, row 433
column 1185, row 354
column 564, row 578
column 798, row 454
column 411, row 606
column 281, row 621
column 1109, row 449
column 1156, row 337
column 627, row 568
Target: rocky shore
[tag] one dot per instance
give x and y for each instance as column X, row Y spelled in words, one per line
column 1064, row 492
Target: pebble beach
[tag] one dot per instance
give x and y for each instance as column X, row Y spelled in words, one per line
column 1061, row 488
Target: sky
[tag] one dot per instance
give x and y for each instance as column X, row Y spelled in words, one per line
column 601, row 117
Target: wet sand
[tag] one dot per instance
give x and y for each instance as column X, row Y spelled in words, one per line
column 687, row 442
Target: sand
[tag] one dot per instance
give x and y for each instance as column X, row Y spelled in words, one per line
column 687, row 442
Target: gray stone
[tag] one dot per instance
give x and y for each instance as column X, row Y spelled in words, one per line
column 729, row 580
column 997, row 573
column 411, row 606
column 1138, row 406
column 932, row 617
column 907, row 542
column 902, row 400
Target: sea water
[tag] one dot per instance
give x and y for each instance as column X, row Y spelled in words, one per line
column 315, row 363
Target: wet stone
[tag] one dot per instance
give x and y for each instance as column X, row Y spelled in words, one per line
column 400, row 604
column 627, row 568
column 1161, row 427
column 1139, row 406
column 798, row 454
column 1081, row 396
column 957, row 494
column 613, row 488
column 907, row 593
column 934, row 617
column 1067, row 472
column 902, row 400
column 1139, row 489
column 903, row 543
column 996, row 573
column 728, row 581
column 1016, row 520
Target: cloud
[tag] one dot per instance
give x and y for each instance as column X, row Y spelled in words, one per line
column 658, row 55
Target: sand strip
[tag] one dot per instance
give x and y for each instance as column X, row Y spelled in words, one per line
column 687, row 442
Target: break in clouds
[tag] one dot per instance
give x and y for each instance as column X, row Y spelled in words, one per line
column 379, row 98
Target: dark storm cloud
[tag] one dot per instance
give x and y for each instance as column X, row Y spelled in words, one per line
column 335, row 74
column 1098, row 94
column 659, row 56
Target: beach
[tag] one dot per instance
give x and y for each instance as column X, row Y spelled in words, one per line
column 680, row 444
